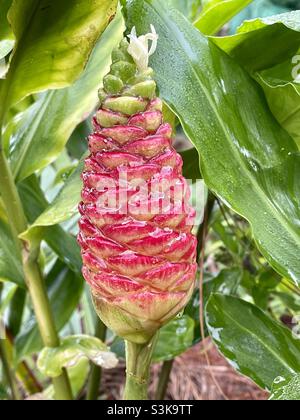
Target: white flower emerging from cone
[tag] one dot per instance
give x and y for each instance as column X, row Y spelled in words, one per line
column 139, row 47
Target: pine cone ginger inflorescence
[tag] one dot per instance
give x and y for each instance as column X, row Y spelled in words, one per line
column 135, row 231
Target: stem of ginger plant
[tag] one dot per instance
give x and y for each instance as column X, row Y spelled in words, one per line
column 32, row 273
column 138, row 363
column 164, row 379
column 96, row 371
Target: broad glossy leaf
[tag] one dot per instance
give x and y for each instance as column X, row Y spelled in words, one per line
column 48, row 124
column 53, row 43
column 247, row 159
column 63, row 244
column 10, row 258
column 216, row 13
column 72, row 350
column 64, row 290
column 283, row 95
column 286, row 389
column 264, row 42
column 253, row 343
column 174, row 339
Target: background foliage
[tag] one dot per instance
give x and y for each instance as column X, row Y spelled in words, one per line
column 236, row 105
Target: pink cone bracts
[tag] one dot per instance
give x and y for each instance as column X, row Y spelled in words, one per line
column 139, row 255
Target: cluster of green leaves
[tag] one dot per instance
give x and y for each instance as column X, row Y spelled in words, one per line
column 250, row 161
column 55, row 57
column 237, row 102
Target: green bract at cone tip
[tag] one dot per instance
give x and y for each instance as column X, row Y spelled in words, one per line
column 127, row 82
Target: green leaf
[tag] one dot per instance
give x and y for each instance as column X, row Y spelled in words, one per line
column 247, row 159
column 64, row 291
column 62, row 243
column 268, row 45
column 77, row 375
column 5, row 29
column 76, row 146
column 191, row 164
column 264, row 42
column 260, row 8
column 291, row 301
column 53, row 43
column 10, row 258
column 254, row 344
column 286, row 389
column 263, row 286
column 226, row 236
column 72, row 350
column 6, row 34
column 174, row 339
column 189, row 8
column 64, row 206
column 216, row 13
column 283, row 96
column 6, row 300
column 226, row 282
column 48, row 124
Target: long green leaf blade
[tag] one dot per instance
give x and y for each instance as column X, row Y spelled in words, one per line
column 53, row 42
column 48, row 124
column 254, row 344
column 216, row 13
column 247, row 159
column 62, row 243
column 283, row 95
column 10, row 258
column 264, row 42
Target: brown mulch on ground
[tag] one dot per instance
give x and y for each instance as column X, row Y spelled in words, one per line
column 193, row 379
